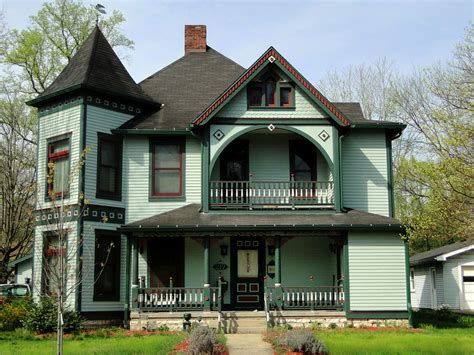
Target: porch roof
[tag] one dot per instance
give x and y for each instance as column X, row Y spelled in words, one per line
column 190, row 218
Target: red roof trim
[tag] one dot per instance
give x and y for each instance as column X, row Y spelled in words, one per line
column 252, row 70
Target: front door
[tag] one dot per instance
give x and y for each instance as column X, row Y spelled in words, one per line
column 166, row 260
column 248, row 271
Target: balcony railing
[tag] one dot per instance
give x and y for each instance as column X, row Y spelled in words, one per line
column 271, row 194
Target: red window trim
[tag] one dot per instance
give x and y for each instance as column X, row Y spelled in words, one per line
column 180, row 143
column 53, row 157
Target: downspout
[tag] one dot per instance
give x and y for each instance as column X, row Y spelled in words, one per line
column 341, row 175
column 127, row 283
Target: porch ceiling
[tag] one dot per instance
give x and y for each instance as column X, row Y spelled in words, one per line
column 189, row 218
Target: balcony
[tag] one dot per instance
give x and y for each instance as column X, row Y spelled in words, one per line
column 271, row 195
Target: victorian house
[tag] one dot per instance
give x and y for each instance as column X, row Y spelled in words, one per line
column 221, row 188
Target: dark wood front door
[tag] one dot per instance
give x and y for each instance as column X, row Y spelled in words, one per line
column 166, row 259
column 247, row 273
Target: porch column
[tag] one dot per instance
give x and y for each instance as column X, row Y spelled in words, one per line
column 134, row 259
column 278, row 289
column 207, row 285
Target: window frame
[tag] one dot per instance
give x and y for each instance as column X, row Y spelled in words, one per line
column 115, row 295
column 49, row 143
column 47, row 236
column 277, row 95
column 181, row 195
column 117, row 140
column 292, row 152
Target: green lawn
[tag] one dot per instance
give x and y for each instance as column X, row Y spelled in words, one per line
column 432, row 341
column 151, row 344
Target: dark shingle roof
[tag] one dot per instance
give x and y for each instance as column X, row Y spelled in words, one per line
column 190, row 216
column 351, row 110
column 96, row 66
column 431, row 255
column 186, row 87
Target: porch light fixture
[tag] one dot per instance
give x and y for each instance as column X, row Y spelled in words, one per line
column 224, row 249
column 271, row 250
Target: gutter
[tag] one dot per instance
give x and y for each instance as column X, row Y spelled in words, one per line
column 152, row 132
column 277, row 227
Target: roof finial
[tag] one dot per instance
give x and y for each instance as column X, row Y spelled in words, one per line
column 100, row 10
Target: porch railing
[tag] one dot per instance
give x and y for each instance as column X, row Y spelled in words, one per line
column 176, row 298
column 271, row 194
column 311, row 298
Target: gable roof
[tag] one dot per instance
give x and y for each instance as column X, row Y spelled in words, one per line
column 189, row 217
column 440, row 254
column 95, row 66
column 185, row 88
column 271, row 56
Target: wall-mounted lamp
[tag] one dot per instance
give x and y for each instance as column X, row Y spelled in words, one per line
column 271, row 250
column 224, row 249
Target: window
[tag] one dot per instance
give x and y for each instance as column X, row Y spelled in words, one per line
column 167, row 168
column 54, row 249
column 412, row 280
column 270, row 92
column 303, row 160
column 107, row 266
column 109, row 163
column 58, row 168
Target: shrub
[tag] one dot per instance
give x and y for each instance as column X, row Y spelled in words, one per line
column 201, row 340
column 13, row 311
column 302, row 340
column 42, row 318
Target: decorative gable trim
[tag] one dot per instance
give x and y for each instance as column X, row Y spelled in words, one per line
column 272, row 56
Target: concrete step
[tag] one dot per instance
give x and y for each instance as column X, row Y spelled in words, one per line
column 251, row 330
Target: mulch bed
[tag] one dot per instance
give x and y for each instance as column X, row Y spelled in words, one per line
column 182, row 348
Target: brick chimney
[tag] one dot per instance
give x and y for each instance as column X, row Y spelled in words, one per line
column 194, row 38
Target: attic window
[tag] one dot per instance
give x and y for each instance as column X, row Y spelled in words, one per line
column 270, row 93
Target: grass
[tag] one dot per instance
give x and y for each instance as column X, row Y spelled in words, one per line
column 432, row 341
column 18, row 343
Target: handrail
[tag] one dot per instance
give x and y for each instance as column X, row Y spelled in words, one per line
column 264, row 193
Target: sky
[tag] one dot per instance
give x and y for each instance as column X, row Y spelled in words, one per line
column 315, row 36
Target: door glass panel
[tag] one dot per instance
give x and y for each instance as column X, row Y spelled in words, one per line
column 247, row 263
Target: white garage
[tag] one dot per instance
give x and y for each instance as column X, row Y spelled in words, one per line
column 444, row 276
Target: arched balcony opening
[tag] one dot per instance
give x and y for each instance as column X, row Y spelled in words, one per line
column 271, row 170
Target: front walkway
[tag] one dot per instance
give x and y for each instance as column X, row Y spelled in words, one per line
column 247, row 344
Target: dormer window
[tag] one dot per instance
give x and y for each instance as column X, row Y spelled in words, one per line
column 270, row 93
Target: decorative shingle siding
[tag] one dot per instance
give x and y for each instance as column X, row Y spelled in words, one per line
column 364, row 171
column 99, row 120
column 377, row 271
column 53, row 125
column 136, row 179
column 88, row 304
column 304, row 108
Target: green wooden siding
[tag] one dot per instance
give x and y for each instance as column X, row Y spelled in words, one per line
column 303, row 257
column 377, row 277
column 364, row 171
column 136, row 178
column 52, row 125
column 87, row 303
column 216, row 257
column 99, row 120
column 304, row 108
column 193, row 263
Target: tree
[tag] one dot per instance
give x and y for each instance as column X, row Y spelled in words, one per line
column 17, row 177
column 34, row 57
column 56, row 32
column 434, row 160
